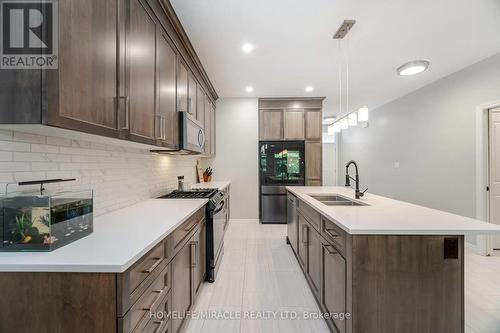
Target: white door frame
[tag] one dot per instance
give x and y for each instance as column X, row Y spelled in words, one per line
column 484, row 245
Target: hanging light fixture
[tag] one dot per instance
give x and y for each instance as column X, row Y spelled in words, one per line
column 353, row 119
column 331, row 129
column 363, row 114
column 344, row 124
column 336, row 127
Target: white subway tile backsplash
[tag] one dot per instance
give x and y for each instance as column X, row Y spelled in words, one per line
column 120, row 176
column 27, row 137
column 14, row 146
column 14, row 166
column 58, row 141
column 37, row 148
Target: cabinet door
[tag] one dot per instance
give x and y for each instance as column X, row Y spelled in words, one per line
column 271, row 124
column 313, row 160
column 182, row 87
column 141, row 45
column 333, row 292
column 208, row 127
column 192, row 91
column 314, row 124
column 314, row 260
column 198, row 252
column 167, row 122
column 292, row 225
column 181, row 283
column 200, row 105
column 213, row 128
column 302, row 241
column 87, row 75
column 294, row 124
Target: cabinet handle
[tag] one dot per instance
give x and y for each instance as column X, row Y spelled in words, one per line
column 164, row 123
column 306, row 236
column 127, row 113
column 156, row 300
column 331, row 232
column 155, row 264
column 194, row 248
column 327, row 247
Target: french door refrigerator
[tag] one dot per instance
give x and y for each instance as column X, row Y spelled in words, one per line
column 281, row 164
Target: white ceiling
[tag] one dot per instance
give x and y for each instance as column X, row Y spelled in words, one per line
column 294, row 46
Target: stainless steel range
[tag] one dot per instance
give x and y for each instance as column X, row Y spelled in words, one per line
column 216, row 224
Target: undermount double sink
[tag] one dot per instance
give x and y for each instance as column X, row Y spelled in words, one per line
column 336, row 200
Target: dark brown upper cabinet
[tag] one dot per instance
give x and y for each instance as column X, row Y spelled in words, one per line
column 314, row 124
column 294, row 124
column 125, row 75
column 167, row 120
column 271, row 125
column 141, row 72
column 182, row 87
column 192, row 94
column 83, row 90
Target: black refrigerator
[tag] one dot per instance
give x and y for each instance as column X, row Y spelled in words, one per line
column 281, row 164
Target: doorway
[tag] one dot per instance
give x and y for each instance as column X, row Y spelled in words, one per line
column 494, row 172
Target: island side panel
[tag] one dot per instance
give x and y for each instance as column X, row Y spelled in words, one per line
column 405, row 284
column 57, row 302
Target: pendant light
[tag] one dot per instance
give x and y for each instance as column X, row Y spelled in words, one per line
column 363, row 114
column 353, row 119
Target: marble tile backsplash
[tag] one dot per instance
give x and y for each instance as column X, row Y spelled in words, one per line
column 120, row 176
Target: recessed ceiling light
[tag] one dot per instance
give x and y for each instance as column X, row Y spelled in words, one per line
column 309, row 89
column 247, row 47
column 413, row 67
column 248, row 89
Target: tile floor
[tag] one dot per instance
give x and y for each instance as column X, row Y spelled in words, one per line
column 260, row 273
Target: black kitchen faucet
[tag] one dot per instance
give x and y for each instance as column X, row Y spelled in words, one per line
column 358, row 193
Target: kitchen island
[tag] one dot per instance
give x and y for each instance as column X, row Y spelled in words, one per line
column 141, row 264
column 380, row 265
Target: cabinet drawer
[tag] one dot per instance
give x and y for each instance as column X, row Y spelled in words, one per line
column 136, row 279
column 312, row 216
column 333, row 233
column 153, row 300
column 184, row 230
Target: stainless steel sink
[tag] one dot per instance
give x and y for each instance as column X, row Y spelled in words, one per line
column 336, row 200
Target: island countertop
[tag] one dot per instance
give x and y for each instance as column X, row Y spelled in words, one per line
column 384, row 216
column 119, row 239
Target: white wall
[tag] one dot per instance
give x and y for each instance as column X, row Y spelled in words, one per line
column 431, row 133
column 329, row 164
column 120, row 176
column 237, row 144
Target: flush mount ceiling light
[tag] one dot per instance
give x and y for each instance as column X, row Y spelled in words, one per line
column 309, row 89
column 249, row 89
column 413, row 67
column 247, row 47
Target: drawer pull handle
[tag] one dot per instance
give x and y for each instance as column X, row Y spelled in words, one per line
column 155, row 264
column 306, row 236
column 331, row 232
column 328, row 246
column 157, row 299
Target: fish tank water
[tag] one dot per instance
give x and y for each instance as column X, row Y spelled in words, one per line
column 44, row 222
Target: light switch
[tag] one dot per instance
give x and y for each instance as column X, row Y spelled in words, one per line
column 396, row 165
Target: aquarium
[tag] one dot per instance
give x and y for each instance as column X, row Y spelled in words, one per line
column 44, row 222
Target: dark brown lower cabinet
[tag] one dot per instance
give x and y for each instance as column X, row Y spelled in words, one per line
column 140, row 300
column 181, row 282
column 303, row 239
column 333, row 288
column 382, row 283
column 314, row 260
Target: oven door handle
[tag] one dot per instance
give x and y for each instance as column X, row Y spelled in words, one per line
column 219, row 207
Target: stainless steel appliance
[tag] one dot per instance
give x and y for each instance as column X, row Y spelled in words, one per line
column 216, row 224
column 281, row 164
column 191, row 137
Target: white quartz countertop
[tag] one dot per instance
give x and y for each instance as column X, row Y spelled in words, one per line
column 389, row 216
column 220, row 185
column 119, row 239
